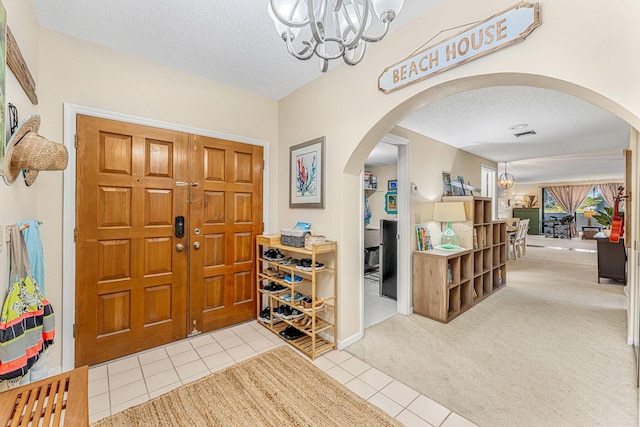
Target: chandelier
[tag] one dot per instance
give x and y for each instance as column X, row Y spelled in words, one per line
column 332, row 29
column 506, row 180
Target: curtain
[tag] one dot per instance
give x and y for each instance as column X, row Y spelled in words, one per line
column 570, row 197
column 609, row 192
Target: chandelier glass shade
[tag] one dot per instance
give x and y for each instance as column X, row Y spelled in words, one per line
column 332, row 29
column 506, row 180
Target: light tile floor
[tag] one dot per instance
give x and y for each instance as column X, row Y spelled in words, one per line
column 120, row 384
column 376, row 308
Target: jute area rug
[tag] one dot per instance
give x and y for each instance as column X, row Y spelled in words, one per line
column 278, row 388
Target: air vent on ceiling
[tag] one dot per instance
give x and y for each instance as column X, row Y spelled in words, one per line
column 529, row 132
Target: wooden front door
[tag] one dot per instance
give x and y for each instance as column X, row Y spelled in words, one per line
column 138, row 285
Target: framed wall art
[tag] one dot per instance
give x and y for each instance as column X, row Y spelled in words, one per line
column 392, row 185
column 391, row 202
column 306, row 179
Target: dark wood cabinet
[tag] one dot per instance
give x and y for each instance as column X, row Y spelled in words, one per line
column 612, row 260
column 534, row 216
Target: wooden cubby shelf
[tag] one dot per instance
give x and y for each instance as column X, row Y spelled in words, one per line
column 321, row 285
column 447, row 283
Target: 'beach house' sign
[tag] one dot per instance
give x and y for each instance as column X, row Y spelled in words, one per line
column 504, row 29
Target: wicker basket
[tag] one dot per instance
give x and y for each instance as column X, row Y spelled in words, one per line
column 295, row 238
column 310, row 240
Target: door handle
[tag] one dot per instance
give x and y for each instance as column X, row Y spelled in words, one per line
column 196, row 245
column 179, row 247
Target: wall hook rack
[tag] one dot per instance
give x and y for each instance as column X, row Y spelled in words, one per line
column 20, row 227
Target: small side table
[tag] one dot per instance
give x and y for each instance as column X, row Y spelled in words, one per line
column 588, row 231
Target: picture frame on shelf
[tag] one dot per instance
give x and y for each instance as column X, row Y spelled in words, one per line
column 458, row 188
column 446, row 184
column 306, row 174
column 391, row 202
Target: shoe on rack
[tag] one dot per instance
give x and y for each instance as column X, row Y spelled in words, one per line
column 307, row 304
column 288, row 261
column 266, row 313
column 291, row 333
column 274, row 288
column 284, row 312
column 265, row 317
column 304, row 322
column 296, row 279
column 271, row 272
column 294, row 314
column 304, row 264
column 296, row 297
column 273, row 255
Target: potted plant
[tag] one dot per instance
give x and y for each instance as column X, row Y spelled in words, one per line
column 605, row 218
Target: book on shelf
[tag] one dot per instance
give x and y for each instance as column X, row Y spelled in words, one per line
column 475, row 239
column 449, row 275
column 423, row 238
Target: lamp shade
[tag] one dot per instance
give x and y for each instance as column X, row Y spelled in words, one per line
column 589, row 214
column 449, row 212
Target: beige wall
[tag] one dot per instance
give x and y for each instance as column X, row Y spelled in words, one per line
column 429, row 158
column 18, row 202
column 573, row 51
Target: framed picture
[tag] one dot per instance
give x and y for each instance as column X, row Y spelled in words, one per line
column 392, row 185
column 446, row 184
column 306, row 174
column 458, row 188
column 391, row 202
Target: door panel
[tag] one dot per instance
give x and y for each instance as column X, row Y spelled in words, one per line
column 131, row 283
column 227, row 209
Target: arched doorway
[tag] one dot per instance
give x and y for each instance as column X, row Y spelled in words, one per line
column 441, row 91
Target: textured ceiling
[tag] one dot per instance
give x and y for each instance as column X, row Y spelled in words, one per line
column 573, row 140
column 232, row 42
column 235, row 43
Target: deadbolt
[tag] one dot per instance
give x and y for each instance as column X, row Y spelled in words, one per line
column 179, row 247
column 196, row 245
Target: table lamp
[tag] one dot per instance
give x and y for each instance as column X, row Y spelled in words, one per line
column 589, row 215
column 449, row 212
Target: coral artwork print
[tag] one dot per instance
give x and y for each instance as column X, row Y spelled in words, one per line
column 306, row 177
column 306, row 174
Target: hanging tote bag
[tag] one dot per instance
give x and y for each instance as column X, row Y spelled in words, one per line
column 27, row 322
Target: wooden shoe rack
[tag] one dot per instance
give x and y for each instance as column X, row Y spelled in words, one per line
column 321, row 285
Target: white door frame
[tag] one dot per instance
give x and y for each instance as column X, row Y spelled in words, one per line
column 69, row 205
column 404, row 295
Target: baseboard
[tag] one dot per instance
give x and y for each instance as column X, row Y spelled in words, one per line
column 342, row 344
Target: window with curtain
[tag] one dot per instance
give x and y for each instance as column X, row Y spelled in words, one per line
column 595, row 200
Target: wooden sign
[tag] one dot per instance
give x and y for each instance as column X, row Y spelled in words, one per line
column 504, row 29
column 18, row 65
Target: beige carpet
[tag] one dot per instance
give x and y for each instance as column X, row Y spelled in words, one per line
column 547, row 350
column 278, row 388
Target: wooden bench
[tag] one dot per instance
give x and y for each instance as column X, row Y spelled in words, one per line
column 54, row 401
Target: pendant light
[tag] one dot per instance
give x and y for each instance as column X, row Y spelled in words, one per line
column 506, row 180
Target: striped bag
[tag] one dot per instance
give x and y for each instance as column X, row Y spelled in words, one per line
column 27, row 322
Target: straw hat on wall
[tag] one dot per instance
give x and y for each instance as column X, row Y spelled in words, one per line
column 32, row 152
